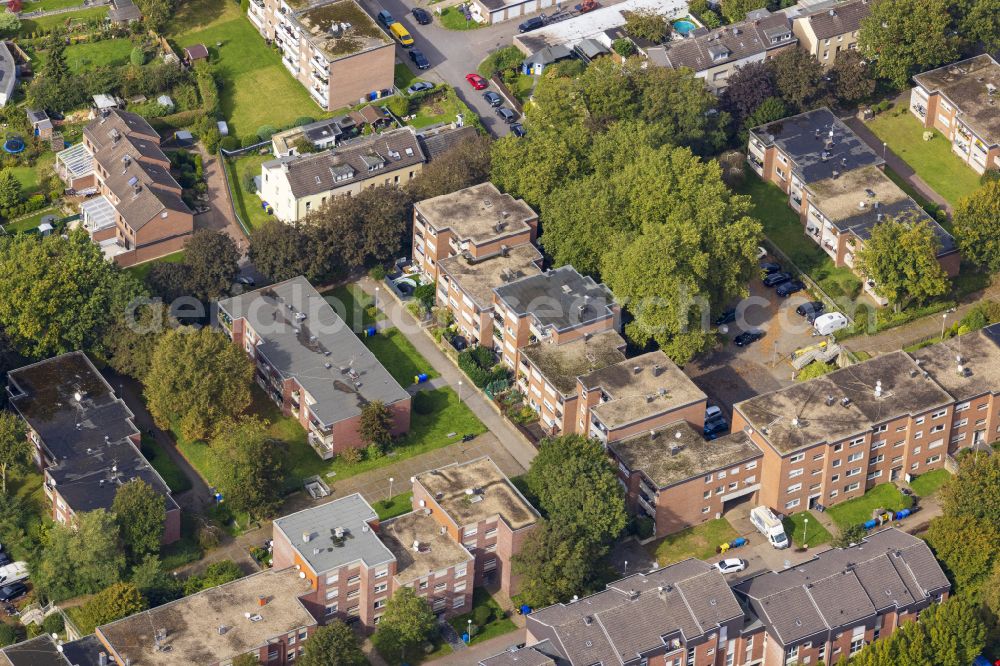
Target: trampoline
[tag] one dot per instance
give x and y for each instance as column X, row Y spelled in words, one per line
column 13, row 145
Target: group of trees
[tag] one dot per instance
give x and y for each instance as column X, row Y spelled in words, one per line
column 573, row 483
column 977, row 226
column 368, row 229
column 210, row 264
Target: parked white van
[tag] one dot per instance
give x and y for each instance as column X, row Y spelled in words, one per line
column 13, row 573
column 830, row 322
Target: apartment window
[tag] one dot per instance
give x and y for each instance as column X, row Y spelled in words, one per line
column 460, row 570
column 460, row 587
column 980, row 422
column 458, row 602
column 354, row 580
column 708, row 494
column 936, row 443
column 854, row 471
column 792, row 504
column 440, row 586
column 795, row 473
column 961, row 407
column 381, row 587
column 900, row 428
column 898, row 444
column 331, row 609
column 854, row 457
column 706, row 509
column 837, row 448
column 919, row 421
column 490, row 548
column 708, row 479
column 874, row 475
column 752, row 465
column 733, row 485
column 937, row 428
column 851, row 488
column 379, row 603
column 330, row 594
column 750, row 479
column 354, row 595
column 835, row 478
column 856, row 645
column 490, row 565
column 881, row 428
column 798, row 457
column 834, row 493
column 818, row 456
column 959, row 438
column 918, row 435
column 836, row 463
column 490, row 533
column 381, row 573
column 916, row 450
column 722, row 474
column 876, row 460
column 794, row 488
column 332, row 579
column 878, row 445
column 857, row 441
column 959, row 424
column 471, row 531
column 933, row 459
column 422, row 585
column 939, row 414
column 816, row 472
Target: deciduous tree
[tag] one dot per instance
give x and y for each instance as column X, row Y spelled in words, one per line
column 196, row 379
column 131, row 339
column 140, row 512
column 770, row 110
column 252, row 473
column 646, row 24
column 464, row 165
column 282, row 251
column 901, row 257
column 156, row 13
column 555, row 564
column 9, row 22
column 746, row 90
column 15, row 448
column 852, row 78
column 979, row 22
column 333, row 644
column 799, row 79
column 977, row 226
column 737, row 10
column 112, row 603
column 904, row 37
column 212, row 263
column 406, row 623
column 10, row 189
column 376, row 424
column 367, row 228
column 967, row 547
column 80, row 559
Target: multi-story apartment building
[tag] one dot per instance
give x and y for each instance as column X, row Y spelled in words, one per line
column 332, row 47
column 138, row 214
column 476, row 505
column 961, row 100
column 85, row 442
column 548, row 375
column 678, row 479
column 260, row 615
column 828, row 32
column 465, row 286
column 47, row 651
column 831, row 607
column 353, row 563
column 295, row 185
column 311, row 364
column 717, row 54
column 893, row 417
column 555, row 307
column 478, row 222
column 687, row 615
column 635, row 396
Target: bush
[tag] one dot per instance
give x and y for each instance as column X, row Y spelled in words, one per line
column 398, row 105
column 377, row 273
column 137, row 57
column 353, row 456
column 230, row 143
column 54, row 623
column 8, row 635
column 509, row 57
column 814, row 370
column 623, row 47
column 642, row 526
column 374, row 452
column 711, row 19
column 303, row 120
column 265, row 132
column 482, row 615
column 478, row 364
column 209, row 537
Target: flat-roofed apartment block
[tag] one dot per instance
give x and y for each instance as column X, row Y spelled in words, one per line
column 635, row 396
column 682, row 614
column 295, row 185
column 139, row 214
column 962, row 100
column 548, row 374
column 353, row 564
column 893, row 417
column 842, row 211
column 85, row 442
column 678, row 479
column 716, row 55
column 828, row 32
column 477, row 222
column 465, row 286
column 476, row 505
column 333, row 48
column 311, row 364
column 260, row 615
column 555, row 307
column 829, row 608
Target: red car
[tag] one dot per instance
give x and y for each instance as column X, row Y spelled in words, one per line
column 477, row 82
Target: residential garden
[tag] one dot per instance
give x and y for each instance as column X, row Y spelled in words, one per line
column 701, row 542
column 486, row 619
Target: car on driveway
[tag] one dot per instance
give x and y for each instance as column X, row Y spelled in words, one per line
column 506, row 115
column 811, row 309
column 385, row 18
column 748, row 337
column 245, row 280
column 774, row 279
column 477, row 82
column 534, row 23
column 419, row 59
column 422, row 16
column 715, row 428
column 726, row 317
column 786, row 289
column 517, row 129
column 492, row 98
column 419, row 86
column 770, row 267
column 12, row 591
column 731, row 565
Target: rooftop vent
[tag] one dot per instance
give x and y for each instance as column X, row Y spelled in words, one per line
column 657, row 369
column 845, row 401
column 338, row 532
column 307, row 537
column 678, row 435
column 636, row 369
column 588, row 620
column 416, row 546
column 829, row 401
column 878, row 388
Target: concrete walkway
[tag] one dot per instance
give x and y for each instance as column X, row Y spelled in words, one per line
column 519, row 449
column 222, row 216
column 476, row 653
column 895, row 162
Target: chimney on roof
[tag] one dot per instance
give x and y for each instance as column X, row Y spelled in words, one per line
column 588, row 620
column 833, row 12
column 652, row 434
column 657, row 369
column 261, row 600
column 636, row 369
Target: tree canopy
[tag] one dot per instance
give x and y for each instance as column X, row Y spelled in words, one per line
column 977, row 226
column 282, row 251
column 737, row 10
column 140, row 512
column 901, row 257
column 16, row 449
column 646, row 24
column 406, row 623
column 211, row 261
column 197, row 377
column 376, row 424
column 904, row 37
column 252, row 473
column 333, row 644
column 80, row 559
column 112, row 603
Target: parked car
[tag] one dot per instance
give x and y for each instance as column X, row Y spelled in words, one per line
column 726, row 317
column 534, row 23
column 517, row 129
column 419, row 59
column 761, row 252
column 4, row 559
column 731, row 565
column 506, row 115
column 477, row 82
column 770, row 267
column 246, row 281
column 811, row 308
column 385, row 18
column 830, row 322
column 419, row 86
column 422, row 16
column 12, row 591
column 748, row 337
column 786, row 289
column 715, row 428
column 13, row 573
column 712, row 411
column 492, row 98
column 774, row 279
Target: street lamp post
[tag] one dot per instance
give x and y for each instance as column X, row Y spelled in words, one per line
column 470, row 630
column 390, row 488
column 626, row 567
column 944, row 318
column 884, row 145
column 376, row 298
column 459, row 390
column 805, row 530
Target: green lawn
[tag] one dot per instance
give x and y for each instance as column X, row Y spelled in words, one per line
column 256, row 88
column 351, row 303
column 30, row 176
column 700, row 541
column 86, row 55
column 933, row 160
column 399, row 356
column 394, row 506
column 859, row 510
column 453, row 19
column 523, row 88
column 248, row 204
column 440, row 108
column 795, row 528
column 162, row 463
column 32, row 221
column 498, row 626
column 930, row 483
column 48, row 5
column 142, row 270
column 403, row 77
column 29, row 26
column 783, row 228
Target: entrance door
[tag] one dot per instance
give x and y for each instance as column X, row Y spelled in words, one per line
column 979, row 437
column 894, row 474
column 813, row 500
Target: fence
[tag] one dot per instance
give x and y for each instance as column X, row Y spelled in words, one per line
column 232, row 196
column 236, row 152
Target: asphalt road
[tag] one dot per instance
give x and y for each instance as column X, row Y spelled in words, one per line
column 452, row 53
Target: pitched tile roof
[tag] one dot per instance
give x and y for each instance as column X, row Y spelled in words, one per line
column 838, row 20
column 730, row 44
